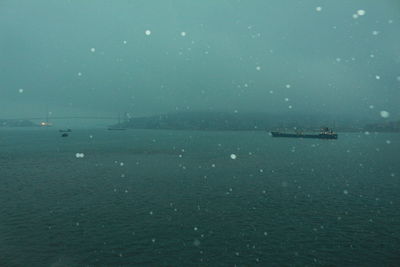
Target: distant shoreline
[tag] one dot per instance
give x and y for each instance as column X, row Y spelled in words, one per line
column 222, row 121
column 225, row 121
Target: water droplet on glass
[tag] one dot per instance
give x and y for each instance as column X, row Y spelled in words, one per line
column 79, row 155
column 384, row 114
column 361, row 12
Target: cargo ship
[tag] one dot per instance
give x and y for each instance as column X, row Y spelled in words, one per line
column 325, row 133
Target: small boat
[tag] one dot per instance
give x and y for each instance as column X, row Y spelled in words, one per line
column 64, row 135
column 325, row 133
column 116, row 129
column 65, row 130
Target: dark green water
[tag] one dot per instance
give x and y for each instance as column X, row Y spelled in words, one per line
column 176, row 198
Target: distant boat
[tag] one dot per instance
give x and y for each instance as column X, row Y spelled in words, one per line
column 325, row 133
column 116, row 129
column 65, row 130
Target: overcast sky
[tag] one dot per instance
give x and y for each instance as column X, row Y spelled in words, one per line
column 102, row 57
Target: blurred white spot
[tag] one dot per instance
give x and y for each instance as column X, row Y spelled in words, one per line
column 361, row 12
column 196, row 242
column 147, row 32
column 375, row 32
column 384, row 114
column 233, row 156
column 258, row 68
column 92, row 49
column 79, row 73
column 265, row 233
column 338, row 59
column 183, row 34
column 213, row 165
column 288, row 86
column 121, row 164
column 286, row 99
column 290, row 106
column 125, row 42
column 398, row 78
column 345, row 192
column 20, row 91
column 388, row 142
column 271, row 92
column 377, row 77
column 371, row 106
column 151, row 213
column 355, row 16
column 318, row 8
column 79, row 155
column 195, row 228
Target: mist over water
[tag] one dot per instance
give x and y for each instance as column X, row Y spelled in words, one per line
column 151, row 57
column 154, row 147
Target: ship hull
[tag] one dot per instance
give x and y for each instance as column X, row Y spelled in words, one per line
column 294, row 135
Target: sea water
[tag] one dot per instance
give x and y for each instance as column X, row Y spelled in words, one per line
column 183, row 198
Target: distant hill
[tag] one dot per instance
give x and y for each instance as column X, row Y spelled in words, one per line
column 17, row 123
column 238, row 121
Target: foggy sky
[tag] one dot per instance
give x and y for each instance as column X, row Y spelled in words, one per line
column 259, row 55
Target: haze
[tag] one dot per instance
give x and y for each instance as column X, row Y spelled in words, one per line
column 101, row 58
